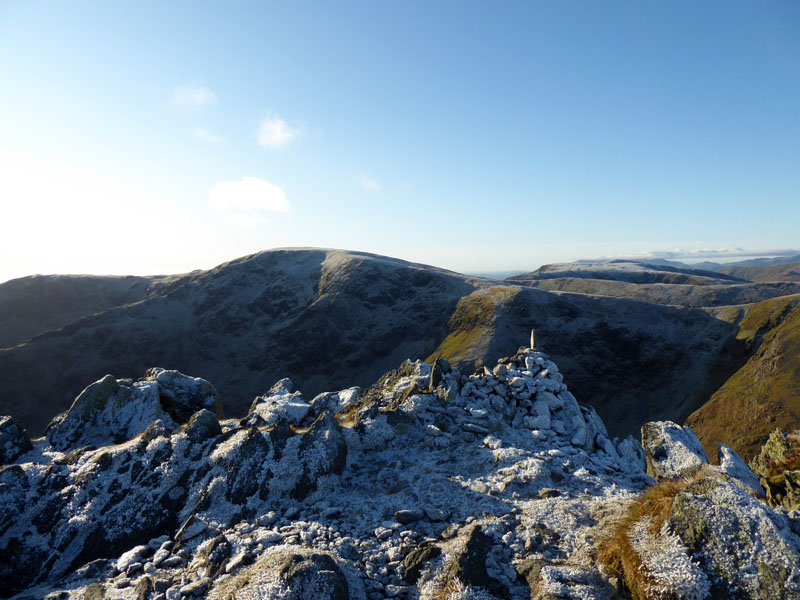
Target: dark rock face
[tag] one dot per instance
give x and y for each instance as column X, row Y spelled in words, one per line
column 202, row 426
column 14, row 440
column 416, row 560
column 469, row 566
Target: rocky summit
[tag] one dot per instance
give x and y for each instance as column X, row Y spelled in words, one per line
column 431, row 484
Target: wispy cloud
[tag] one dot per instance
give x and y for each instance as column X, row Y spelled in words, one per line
column 247, row 201
column 193, row 96
column 204, row 135
column 274, row 132
column 720, row 253
column 369, row 183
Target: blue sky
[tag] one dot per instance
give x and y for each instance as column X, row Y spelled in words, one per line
column 149, row 137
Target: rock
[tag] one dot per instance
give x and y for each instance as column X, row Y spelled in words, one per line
column 131, row 557
column 570, row 581
column 14, row 441
column 322, row 451
column 297, row 573
column 500, row 370
column 436, row 514
column 469, row 564
column 416, row 560
column 631, row 455
column 746, row 549
column 195, row 588
column 183, row 395
column 408, row 516
column 203, row 425
column 94, row 591
column 671, row 451
column 732, row 465
column 278, row 405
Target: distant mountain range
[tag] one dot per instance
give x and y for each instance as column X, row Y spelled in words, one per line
column 330, row 318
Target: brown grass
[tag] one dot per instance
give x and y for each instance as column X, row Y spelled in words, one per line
column 614, row 548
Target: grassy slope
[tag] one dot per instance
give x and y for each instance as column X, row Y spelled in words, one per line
column 784, row 272
column 765, row 392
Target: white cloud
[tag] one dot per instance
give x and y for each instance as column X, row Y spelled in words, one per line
column 244, row 202
column 193, row 96
column 714, row 253
column 204, row 135
column 370, row 183
column 274, row 132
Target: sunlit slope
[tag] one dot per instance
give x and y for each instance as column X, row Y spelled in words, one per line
column 765, row 392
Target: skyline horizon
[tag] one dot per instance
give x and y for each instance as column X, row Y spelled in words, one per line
column 673, row 256
column 154, row 137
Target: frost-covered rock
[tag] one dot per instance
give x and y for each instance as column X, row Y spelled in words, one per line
column 428, row 484
column 671, row 450
column 107, row 412
column 281, row 403
column 745, row 549
column 14, row 440
column 733, row 466
column 111, row 411
column 183, row 395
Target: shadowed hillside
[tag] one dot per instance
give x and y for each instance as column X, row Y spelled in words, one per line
column 632, row 361
column 32, row 305
column 330, row 318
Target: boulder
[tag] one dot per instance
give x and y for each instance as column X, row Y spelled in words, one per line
column 280, row 403
column 745, row 549
column 292, row 573
column 182, row 395
column 14, row 440
column 202, row 426
column 671, row 451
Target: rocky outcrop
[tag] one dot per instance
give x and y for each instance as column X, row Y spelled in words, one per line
column 741, row 547
column 430, row 484
column 778, row 465
column 111, row 411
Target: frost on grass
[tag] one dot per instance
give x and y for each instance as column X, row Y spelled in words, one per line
column 667, row 568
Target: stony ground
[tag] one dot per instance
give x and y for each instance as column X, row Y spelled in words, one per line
column 430, row 484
